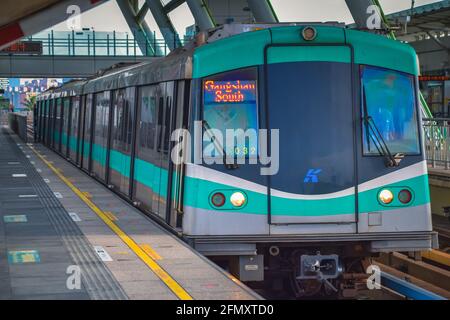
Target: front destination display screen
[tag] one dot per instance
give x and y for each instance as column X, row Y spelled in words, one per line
column 233, row 105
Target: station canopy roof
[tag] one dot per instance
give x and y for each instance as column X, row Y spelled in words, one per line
column 431, row 19
column 15, row 10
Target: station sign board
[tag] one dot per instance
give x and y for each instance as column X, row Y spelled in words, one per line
column 24, row 47
column 434, row 78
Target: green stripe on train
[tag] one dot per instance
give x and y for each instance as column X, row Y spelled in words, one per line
column 145, row 172
column 370, row 49
column 198, row 191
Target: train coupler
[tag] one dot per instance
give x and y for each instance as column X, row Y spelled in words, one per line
column 321, row 268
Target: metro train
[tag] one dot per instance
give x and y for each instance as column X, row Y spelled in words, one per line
column 334, row 175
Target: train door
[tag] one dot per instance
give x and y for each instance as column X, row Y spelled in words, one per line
column 309, row 100
column 36, row 119
column 51, row 118
column 40, row 116
column 65, row 125
column 176, row 170
column 86, row 129
column 144, row 166
column 100, row 134
column 122, row 119
column 166, row 163
column 47, row 121
column 74, row 132
column 164, row 117
column 44, row 122
column 57, row 125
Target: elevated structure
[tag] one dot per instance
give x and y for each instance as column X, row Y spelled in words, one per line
column 427, row 29
column 27, row 17
column 428, row 22
column 421, row 22
column 16, row 66
column 33, row 16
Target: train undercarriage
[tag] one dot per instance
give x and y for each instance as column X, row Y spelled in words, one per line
column 295, row 270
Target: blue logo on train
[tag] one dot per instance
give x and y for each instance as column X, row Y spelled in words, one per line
column 312, row 176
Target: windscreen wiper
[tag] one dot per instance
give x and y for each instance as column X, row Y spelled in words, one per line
column 218, row 145
column 374, row 133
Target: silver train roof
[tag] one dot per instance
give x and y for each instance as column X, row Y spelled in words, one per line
column 176, row 66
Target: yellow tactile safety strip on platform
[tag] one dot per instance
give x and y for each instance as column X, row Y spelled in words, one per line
column 149, row 250
column 110, row 215
column 146, row 258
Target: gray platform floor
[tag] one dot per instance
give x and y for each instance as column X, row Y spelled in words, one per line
column 199, row 277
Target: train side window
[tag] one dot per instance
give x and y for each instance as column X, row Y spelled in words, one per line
column 74, row 128
column 230, row 105
column 122, row 124
column 65, row 124
column 147, row 122
column 130, row 120
column 100, row 139
column 167, row 124
column 160, row 121
column 129, row 105
column 87, row 126
column 57, row 124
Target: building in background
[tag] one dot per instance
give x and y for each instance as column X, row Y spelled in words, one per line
column 18, row 90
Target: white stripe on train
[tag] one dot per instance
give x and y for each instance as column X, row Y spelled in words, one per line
column 208, row 174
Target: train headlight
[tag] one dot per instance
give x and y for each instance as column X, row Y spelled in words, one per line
column 238, row 199
column 405, row 196
column 386, row 196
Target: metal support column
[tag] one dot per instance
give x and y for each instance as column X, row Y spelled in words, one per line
column 361, row 12
column 201, row 14
column 140, row 29
column 263, row 11
column 164, row 23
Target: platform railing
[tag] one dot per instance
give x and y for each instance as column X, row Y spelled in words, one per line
column 437, row 142
column 18, row 122
column 4, row 117
column 103, row 44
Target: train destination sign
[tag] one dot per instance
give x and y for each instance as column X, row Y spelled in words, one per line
column 229, row 91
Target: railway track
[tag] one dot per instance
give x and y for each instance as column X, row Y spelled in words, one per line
column 434, row 278
column 444, row 238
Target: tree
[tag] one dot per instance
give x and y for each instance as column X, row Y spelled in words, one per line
column 30, row 101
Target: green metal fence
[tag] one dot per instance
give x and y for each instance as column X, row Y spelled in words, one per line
column 102, row 44
column 437, row 142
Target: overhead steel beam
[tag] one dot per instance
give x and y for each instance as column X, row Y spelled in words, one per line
column 172, row 5
column 262, row 11
column 42, row 20
column 362, row 12
column 141, row 31
column 164, row 24
column 142, row 13
column 201, row 14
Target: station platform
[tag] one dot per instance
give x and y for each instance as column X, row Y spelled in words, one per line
column 65, row 236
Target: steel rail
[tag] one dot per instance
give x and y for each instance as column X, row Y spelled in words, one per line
column 407, row 289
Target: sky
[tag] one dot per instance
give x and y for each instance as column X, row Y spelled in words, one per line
column 107, row 17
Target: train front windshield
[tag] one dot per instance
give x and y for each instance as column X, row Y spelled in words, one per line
column 389, row 99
